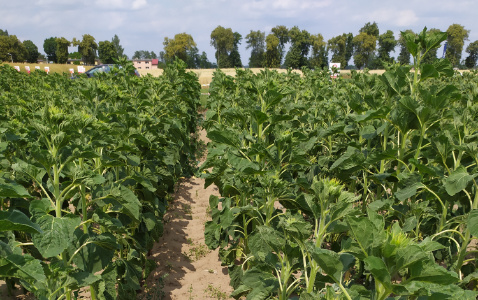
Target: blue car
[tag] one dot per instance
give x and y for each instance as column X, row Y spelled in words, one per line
column 105, row 68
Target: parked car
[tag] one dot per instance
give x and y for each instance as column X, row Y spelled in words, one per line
column 105, row 68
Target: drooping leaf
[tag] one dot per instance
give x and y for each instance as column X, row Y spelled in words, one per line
column 16, row 220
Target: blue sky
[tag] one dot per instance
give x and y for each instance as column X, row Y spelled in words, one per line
column 143, row 24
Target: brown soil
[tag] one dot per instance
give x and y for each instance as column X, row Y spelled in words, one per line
column 186, row 269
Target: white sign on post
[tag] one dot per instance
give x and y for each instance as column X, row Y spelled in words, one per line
column 37, row 67
column 27, row 68
column 334, row 69
column 47, row 70
column 72, row 71
column 81, row 69
column 17, row 68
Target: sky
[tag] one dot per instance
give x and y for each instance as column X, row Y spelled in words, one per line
column 143, row 24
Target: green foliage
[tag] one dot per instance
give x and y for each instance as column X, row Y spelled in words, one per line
column 87, row 48
column 457, row 35
column 472, row 58
column 107, row 53
column 272, row 56
column 386, row 44
column 296, row 57
column 360, row 188
column 49, row 46
column 61, row 51
column 32, row 51
column 178, row 47
column 86, row 167
column 10, row 44
column 257, row 41
column 364, row 48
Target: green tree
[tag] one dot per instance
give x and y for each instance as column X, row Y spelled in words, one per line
column 472, row 50
column 257, row 41
column 3, row 33
column 386, row 44
column 431, row 55
column 272, row 55
column 87, row 48
column 370, row 29
column 404, row 55
column 349, row 48
column 282, row 33
column 192, row 58
column 338, row 47
column 222, row 39
column 319, row 55
column 49, row 46
column 234, row 56
column 107, row 52
column 12, row 49
column 178, row 46
column 204, row 62
column 62, row 45
column 296, row 57
column 119, row 49
column 364, row 48
column 457, row 35
column 32, row 51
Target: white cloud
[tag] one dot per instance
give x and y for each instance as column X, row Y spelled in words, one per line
column 395, row 17
column 138, row 4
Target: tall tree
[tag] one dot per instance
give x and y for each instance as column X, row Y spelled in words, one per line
column 3, row 33
column 49, row 46
column 12, row 49
column 472, row 50
column 364, row 48
column 222, row 39
column 319, row 55
column 338, row 47
column 296, row 57
column 370, row 29
column 178, row 46
column 282, row 33
column 234, row 56
column 272, row 55
column 62, row 45
column 349, row 48
column 257, row 41
column 119, row 49
column 404, row 55
column 32, row 51
column 386, row 44
column 107, row 52
column 87, row 48
column 431, row 55
column 457, row 35
column 192, row 58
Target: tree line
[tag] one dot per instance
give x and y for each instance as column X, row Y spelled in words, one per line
column 368, row 49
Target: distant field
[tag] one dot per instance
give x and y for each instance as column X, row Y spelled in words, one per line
column 56, row 68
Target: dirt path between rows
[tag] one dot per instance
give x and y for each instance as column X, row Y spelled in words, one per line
column 186, row 269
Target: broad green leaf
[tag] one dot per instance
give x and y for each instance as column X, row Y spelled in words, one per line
column 379, row 270
column 427, row 71
column 265, row 240
column 13, row 190
column 27, row 267
column 457, row 181
column 329, row 262
column 56, row 236
column 16, row 220
column 408, row 185
column 472, row 222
